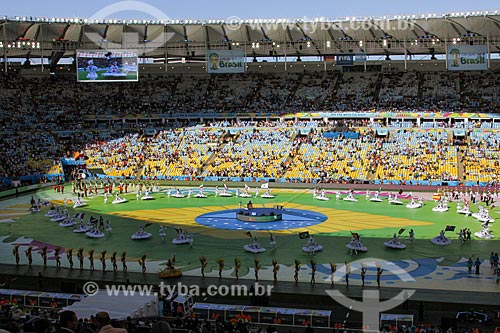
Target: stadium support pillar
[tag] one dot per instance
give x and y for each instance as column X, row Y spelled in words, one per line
column 165, row 47
column 41, row 46
column 285, row 56
column 406, row 55
column 446, row 52
column 489, row 50
column 5, row 48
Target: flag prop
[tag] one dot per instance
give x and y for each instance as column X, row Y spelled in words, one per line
column 304, row 234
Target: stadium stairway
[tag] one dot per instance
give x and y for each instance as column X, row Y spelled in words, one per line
column 336, row 87
column 294, row 89
column 291, row 154
column 460, row 165
column 211, row 159
column 378, row 87
column 420, row 92
column 462, row 83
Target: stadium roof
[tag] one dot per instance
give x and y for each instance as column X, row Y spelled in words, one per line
column 410, row 34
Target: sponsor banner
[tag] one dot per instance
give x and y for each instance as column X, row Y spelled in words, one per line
column 383, row 114
column 322, row 114
column 467, row 57
column 344, row 59
column 360, row 57
column 224, row 61
column 329, row 58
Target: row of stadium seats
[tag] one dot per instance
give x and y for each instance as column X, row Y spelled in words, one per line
column 288, row 153
column 283, row 151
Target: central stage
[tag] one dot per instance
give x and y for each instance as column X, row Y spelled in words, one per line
column 260, row 215
column 243, row 219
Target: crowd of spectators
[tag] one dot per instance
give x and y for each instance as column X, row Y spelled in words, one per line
column 300, row 150
column 45, row 119
column 480, row 158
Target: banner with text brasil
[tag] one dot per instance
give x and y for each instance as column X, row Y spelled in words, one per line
column 467, row 58
column 225, row 61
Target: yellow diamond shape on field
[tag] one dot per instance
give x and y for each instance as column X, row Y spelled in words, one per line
column 338, row 220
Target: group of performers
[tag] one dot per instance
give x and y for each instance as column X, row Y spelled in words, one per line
column 255, row 246
column 311, row 246
column 80, row 257
column 183, row 237
column 108, row 185
column 218, row 192
column 141, row 234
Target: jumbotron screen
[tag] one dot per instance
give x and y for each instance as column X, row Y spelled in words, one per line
column 107, row 65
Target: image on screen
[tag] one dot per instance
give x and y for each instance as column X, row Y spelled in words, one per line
column 106, row 65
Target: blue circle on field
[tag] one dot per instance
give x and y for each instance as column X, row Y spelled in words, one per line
column 292, row 218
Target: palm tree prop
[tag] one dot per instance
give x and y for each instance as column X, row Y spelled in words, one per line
column 297, row 269
column 257, row 268
column 237, row 266
column 220, row 262
column 313, row 271
column 203, row 263
column 276, row 268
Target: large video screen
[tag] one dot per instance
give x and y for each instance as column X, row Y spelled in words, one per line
column 107, row 65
